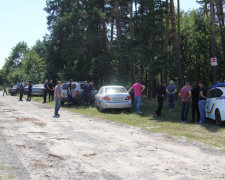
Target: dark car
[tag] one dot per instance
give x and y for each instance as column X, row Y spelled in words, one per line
column 13, row 90
column 37, row 90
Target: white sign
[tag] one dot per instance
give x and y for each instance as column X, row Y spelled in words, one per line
column 214, row 61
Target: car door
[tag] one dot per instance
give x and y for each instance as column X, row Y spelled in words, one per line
column 210, row 105
column 98, row 96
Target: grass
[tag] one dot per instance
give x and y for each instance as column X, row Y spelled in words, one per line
column 169, row 123
column 4, row 172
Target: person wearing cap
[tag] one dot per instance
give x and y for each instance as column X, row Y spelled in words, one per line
column 57, row 97
column 171, row 90
column 69, row 93
column 30, row 86
column 87, row 93
column 21, row 90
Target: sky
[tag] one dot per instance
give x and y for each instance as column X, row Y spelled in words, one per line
column 25, row 20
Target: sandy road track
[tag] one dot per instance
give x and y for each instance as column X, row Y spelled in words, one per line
column 36, row 146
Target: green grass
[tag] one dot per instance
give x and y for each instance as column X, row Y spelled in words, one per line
column 5, row 172
column 169, row 123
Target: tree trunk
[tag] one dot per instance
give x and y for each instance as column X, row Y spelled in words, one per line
column 112, row 27
column 213, row 48
column 220, row 15
column 131, row 16
column 176, row 46
column 119, row 38
column 166, row 46
column 206, row 7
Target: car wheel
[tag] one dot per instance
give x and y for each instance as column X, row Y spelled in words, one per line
column 218, row 118
column 100, row 108
column 128, row 110
column 62, row 103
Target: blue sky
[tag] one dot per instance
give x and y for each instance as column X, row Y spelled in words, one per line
column 25, row 20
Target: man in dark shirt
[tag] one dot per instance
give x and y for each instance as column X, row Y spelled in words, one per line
column 45, row 90
column 29, row 91
column 51, row 90
column 194, row 103
column 202, row 102
column 87, row 93
column 161, row 92
column 69, row 93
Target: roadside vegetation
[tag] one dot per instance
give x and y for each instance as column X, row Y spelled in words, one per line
column 169, row 124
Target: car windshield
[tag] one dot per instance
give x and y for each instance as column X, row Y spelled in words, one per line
column 14, row 87
column 115, row 90
column 38, row 86
column 65, row 86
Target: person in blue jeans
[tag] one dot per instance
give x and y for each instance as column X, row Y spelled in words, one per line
column 138, row 89
column 202, row 102
column 171, row 90
column 57, row 97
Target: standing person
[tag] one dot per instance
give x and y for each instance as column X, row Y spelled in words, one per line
column 87, row 93
column 194, row 103
column 138, row 89
column 51, row 90
column 30, row 86
column 69, row 93
column 4, row 89
column 17, row 87
column 171, row 90
column 21, row 90
column 202, row 102
column 161, row 92
column 185, row 95
column 57, row 97
column 45, row 90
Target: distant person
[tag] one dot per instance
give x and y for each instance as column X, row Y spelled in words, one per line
column 161, row 92
column 4, row 89
column 69, row 93
column 138, row 89
column 21, row 90
column 185, row 95
column 57, row 97
column 29, row 91
column 202, row 101
column 87, row 93
column 51, row 90
column 17, row 87
column 171, row 90
column 45, row 90
column 194, row 103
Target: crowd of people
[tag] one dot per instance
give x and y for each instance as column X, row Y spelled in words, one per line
column 191, row 97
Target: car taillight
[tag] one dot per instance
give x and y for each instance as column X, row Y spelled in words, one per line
column 107, row 98
column 128, row 98
column 77, row 93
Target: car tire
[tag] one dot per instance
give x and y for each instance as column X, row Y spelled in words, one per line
column 128, row 110
column 62, row 103
column 100, row 108
column 218, row 118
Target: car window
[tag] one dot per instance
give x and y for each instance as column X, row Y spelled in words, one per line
column 82, row 86
column 65, row 86
column 212, row 93
column 115, row 90
column 14, row 87
column 219, row 93
column 100, row 91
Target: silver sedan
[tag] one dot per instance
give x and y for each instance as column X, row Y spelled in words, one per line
column 113, row 97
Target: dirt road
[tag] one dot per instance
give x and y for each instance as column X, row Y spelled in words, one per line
column 34, row 145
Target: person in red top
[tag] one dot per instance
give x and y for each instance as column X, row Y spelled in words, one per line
column 185, row 95
column 138, row 89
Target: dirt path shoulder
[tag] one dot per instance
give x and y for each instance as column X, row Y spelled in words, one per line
column 34, row 145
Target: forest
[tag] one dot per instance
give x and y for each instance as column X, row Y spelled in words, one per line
column 120, row 41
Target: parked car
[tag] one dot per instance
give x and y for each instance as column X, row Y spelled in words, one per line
column 113, row 97
column 77, row 92
column 13, row 90
column 37, row 90
column 215, row 105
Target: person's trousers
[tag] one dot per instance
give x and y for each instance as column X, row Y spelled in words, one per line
column 201, row 105
column 57, row 106
column 195, row 111
column 21, row 95
column 138, row 103
column 185, row 111
column 45, row 96
column 160, row 105
column 87, row 98
column 69, row 98
column 29, row 95
column 4, row 92
column 171, row 99
column 51, row 95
